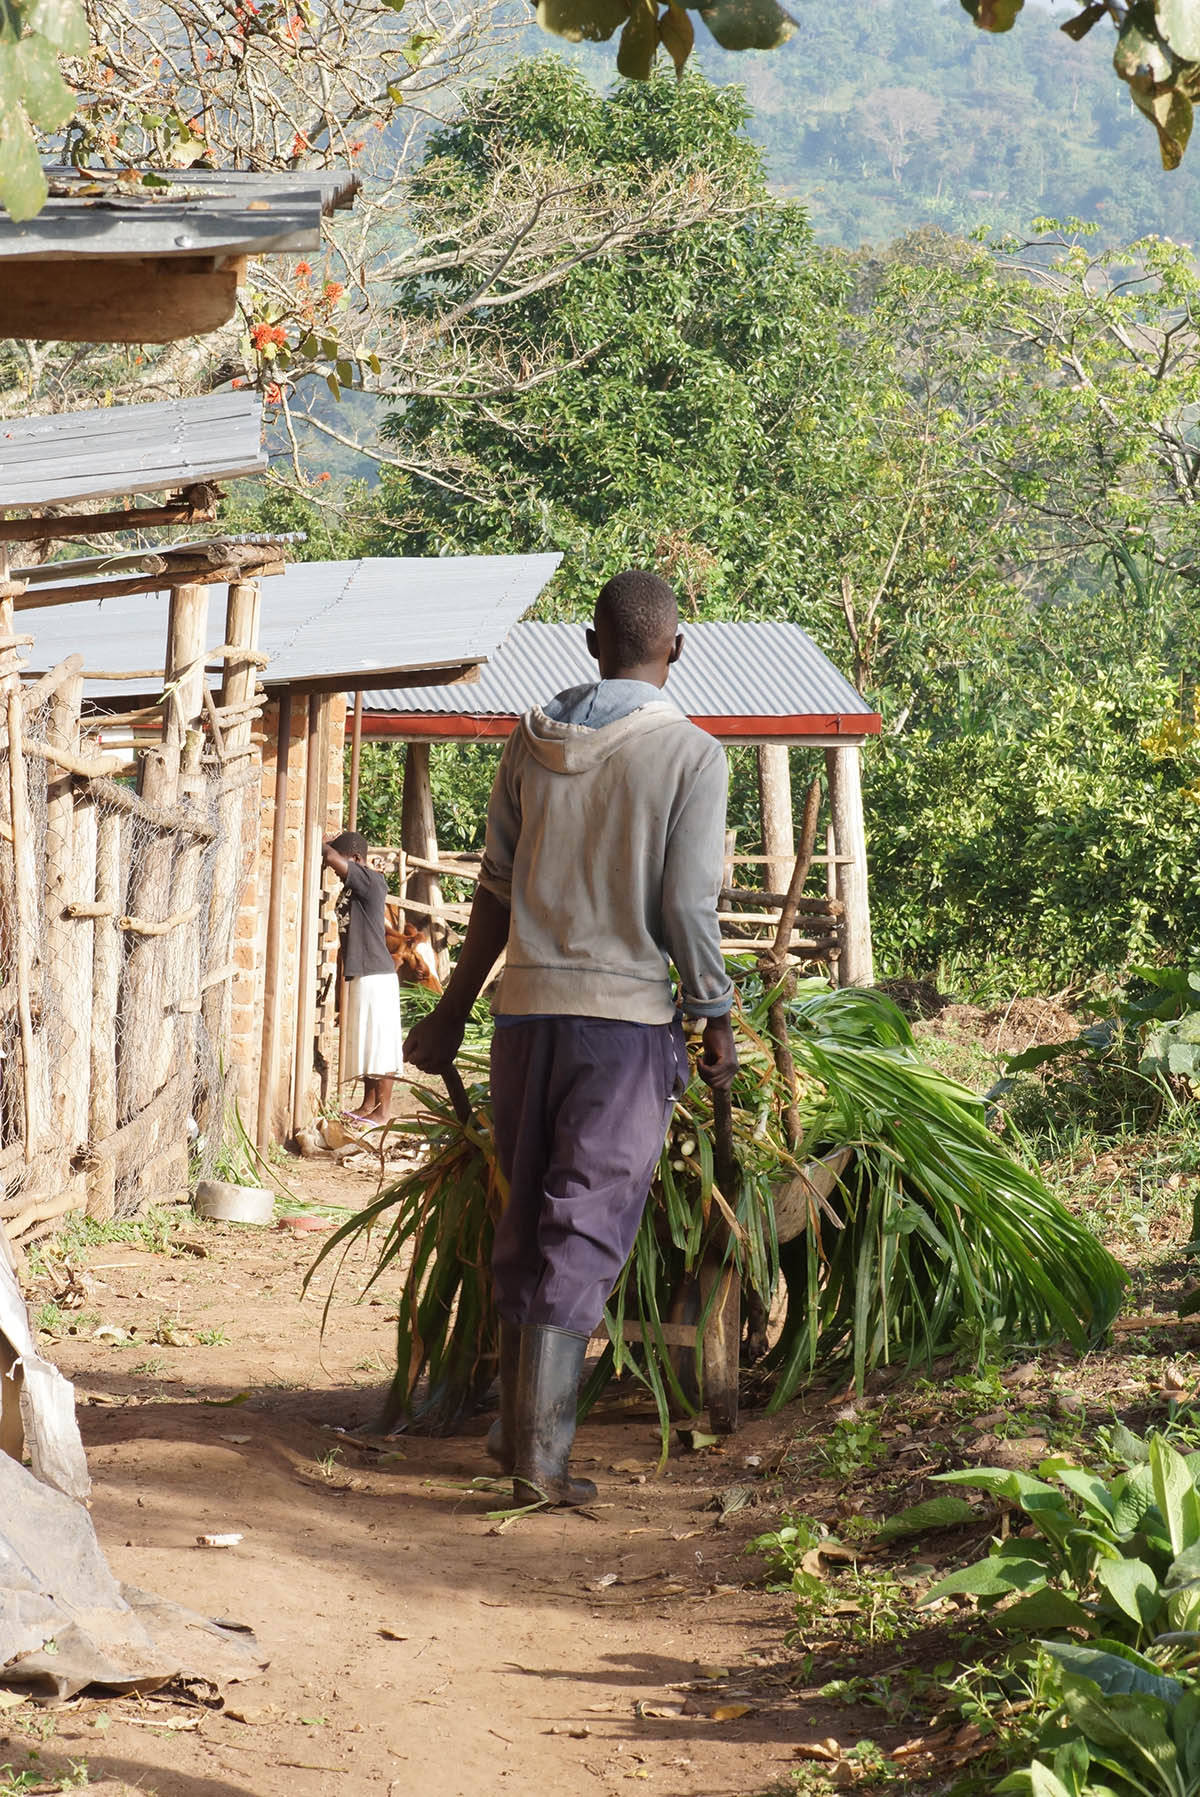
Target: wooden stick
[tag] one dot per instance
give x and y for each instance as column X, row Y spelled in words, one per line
column 773, row 966
column 310, row 878
column 161, row 817
column 355, row 761
column 23, row 895
column 272, row 984
column 42, row 1212
column 214, row 723
column 83, row 908
column 143, row 926
column 89, row 768
column 176, row 574
column 805, row 907
column 106, row 984
column 32, row 696
column 96, row 524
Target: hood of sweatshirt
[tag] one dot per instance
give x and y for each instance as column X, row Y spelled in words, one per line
column 569, row 747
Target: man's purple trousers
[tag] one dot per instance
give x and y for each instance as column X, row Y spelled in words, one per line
column 581, row 1107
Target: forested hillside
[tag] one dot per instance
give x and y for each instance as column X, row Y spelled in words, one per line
column 902, row 114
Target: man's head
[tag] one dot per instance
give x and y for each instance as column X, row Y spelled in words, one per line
column 352, row 844
column 636, row 631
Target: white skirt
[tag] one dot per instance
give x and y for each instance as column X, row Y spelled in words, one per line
column 371, row 1027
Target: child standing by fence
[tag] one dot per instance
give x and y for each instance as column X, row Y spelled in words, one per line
column 371, row 1031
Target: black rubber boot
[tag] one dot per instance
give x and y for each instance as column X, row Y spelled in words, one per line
column 501, row 1441
column 547, row 1400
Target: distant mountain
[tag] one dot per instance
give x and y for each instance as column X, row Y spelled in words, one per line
column 902, row 114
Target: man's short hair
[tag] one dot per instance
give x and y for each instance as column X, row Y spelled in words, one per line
column 639, row 612
column 351, row 843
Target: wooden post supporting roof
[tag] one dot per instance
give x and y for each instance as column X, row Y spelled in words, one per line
column 775, row 809
column 272, row 972
column 843, row 767
column 418, row 837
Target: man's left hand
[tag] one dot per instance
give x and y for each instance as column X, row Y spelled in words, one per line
column 719, row 1059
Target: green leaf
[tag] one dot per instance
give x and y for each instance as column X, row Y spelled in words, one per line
column 748, row 24
column 62, row 23
column 991, row 1577
column 1001, row 1481
column 588, row 21
column 1114, row 1673
column 48, row 100
column 1178, row 22
column 935, row 1513
column 638, row 41
column 22, row 183
column 676, row 34
column 1048, row 1608
column 1133, row 1588
column 1175, row 1495
column 993, row 15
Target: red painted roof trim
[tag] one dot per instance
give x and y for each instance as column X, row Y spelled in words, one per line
column 424, row 726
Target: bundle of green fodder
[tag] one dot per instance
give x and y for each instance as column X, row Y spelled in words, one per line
column 936, row 1232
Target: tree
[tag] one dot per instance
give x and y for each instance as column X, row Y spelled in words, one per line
column 277, row 84
column 722, row 411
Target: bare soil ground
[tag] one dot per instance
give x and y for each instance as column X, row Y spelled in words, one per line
column 416, row 1644
column 412, row 1645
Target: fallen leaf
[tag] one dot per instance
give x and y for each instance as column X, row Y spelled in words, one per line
column 627, row 1466
column 731, row 1712
column 604, row 1581
column 713, row 1671
column 238, row 1440
column 657, row 1712
column 829, row 1749
column 387, row 1634
column 239, row 1397
column 697, row 1440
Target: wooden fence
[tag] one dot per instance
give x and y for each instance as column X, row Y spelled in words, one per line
column 748, row 915
column 120, row 874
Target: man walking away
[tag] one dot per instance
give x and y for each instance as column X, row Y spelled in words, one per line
column 371, row 1029
column 605, row 848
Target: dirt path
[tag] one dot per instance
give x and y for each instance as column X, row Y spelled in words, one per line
column 412, row 1647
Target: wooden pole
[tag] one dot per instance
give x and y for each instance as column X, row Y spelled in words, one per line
column 26, row 922
column 69, row 875
column 418, row 836
column 355, row 762
column 242, row 609
column 316, row 772
column 831, row 888
column 272, row 984
column 843, row 765
column 106, row 984
column 775, row 809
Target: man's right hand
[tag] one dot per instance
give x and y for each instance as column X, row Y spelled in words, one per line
column 432, row 1044
column 719, row 1059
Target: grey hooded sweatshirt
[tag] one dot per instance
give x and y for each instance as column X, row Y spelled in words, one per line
column 606, row 839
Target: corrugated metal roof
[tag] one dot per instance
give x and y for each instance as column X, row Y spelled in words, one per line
column 736, row 670
column 115, row 450
column 231, row 212
column 334, row 622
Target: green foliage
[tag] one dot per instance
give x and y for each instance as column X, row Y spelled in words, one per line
column 928, row 123
column 33, row 95
column 1115, row 1559
column 1098, row 818
column 725, row 412
column 1157, row 52
column 934, row 1227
